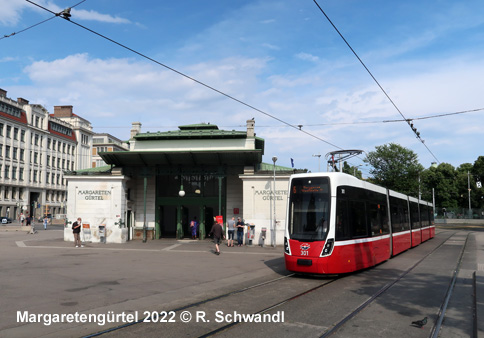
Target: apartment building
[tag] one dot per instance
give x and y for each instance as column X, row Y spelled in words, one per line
column 35, row 149
column 105, row 143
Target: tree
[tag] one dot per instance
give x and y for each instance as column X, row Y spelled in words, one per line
column 443, row 180
column 395, row 167
column 352, row 170
column 478, row 182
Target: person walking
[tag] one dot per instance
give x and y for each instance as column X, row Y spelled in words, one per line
column 230, row 232
column 76, row 231
column 240, row 232
column 218, row 234
column 46, row 221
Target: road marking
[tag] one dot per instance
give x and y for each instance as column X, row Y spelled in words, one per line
column 21, row 244
column 171, row 247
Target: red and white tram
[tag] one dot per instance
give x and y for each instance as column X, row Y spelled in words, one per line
column 337, row 223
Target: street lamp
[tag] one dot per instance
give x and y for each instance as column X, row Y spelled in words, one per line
column 274, row 159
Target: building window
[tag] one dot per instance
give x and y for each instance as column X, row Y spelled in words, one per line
column 1, row 150
column 9, row 131
column 7, row 171
column 35, row 175
column 36, row 139
column 21, row 175
column 22, row 153
column 14, row 173
column 15, row 133
column 22, row 135
column 1, row 129
column 37, row 119
column 14, row 153
column 53, row 144
column 36, row 155
column 47, row 178
column 48, row 143
column 48, row 160
column 7, row 151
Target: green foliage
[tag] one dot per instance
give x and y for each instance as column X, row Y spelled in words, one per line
column 352, row 170
column 396, row 168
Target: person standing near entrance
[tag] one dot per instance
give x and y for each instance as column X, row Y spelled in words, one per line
column 218, row 234
column 240, row 232
column 76, row 231
column 194, row 227
column 230, row 232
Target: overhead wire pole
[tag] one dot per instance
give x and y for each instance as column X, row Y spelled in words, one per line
column 297, row 127
column 374, row 79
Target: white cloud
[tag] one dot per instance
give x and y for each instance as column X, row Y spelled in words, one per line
column 307, row 57
column 11, row 11
column 82, row 14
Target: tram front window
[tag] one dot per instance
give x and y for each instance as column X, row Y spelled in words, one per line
column 309, row 209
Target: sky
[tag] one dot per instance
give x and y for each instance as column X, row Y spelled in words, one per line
column 279, row 62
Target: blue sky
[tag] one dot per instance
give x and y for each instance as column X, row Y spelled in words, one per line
column 282, row 57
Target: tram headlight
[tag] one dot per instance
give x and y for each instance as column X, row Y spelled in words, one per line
column 328, row 247
column 286, row 246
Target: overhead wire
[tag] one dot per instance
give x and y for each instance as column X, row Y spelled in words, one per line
column 35, row 25
column 187, row 76
column 330, row 124
column 374, row 79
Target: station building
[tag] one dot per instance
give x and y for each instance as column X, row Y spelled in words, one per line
column 166, row 179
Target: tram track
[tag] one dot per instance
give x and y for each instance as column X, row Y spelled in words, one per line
column 222, row 297
column 441, row 314
column 226, row 329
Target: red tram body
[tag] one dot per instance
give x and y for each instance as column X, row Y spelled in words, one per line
column 338, row 224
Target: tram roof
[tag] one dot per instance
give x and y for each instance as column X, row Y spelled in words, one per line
column 185, row 158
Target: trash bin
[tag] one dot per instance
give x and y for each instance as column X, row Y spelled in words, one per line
column 102, row 234
column 263, row 236
column 250, row 234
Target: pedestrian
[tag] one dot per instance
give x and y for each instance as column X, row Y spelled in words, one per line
column 46, row 221
column 194, row 227
column 22, row 218
column 218, row 234
column 240, row 232
column 28, row 220
column 76, row 230
column 230, row 232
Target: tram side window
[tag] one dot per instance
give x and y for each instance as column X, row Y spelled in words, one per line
column 378, row 219
column 399, row 214
column 357, row 218
column 414, row 215
column 424, row 215
column 342, row 223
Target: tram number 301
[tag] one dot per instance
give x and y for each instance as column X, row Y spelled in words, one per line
column 304, row 253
